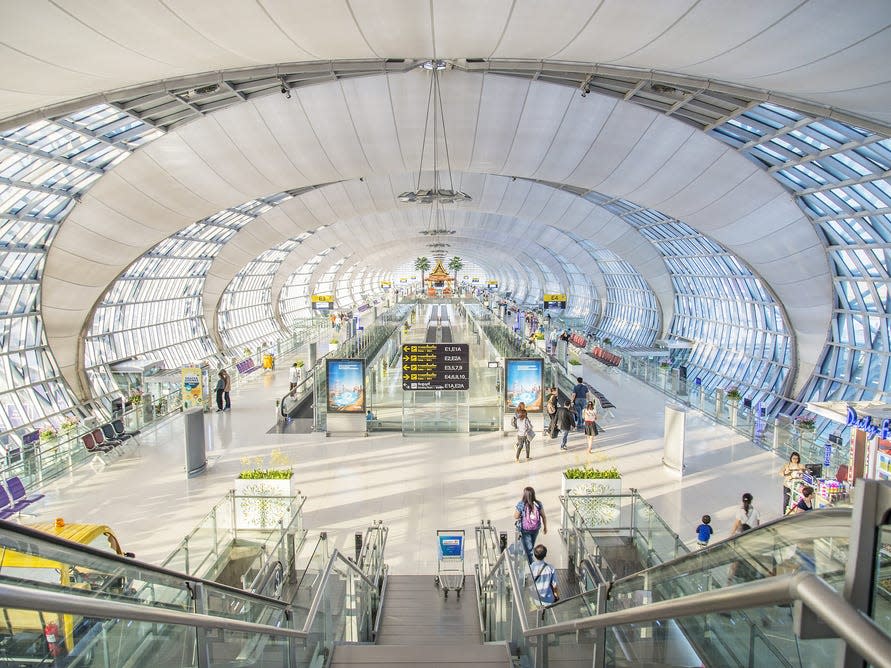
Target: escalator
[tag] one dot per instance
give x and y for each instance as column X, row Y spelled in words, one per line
column 735, row 602
column 110, row 610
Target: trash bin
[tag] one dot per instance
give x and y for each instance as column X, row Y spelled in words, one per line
column 268, row 361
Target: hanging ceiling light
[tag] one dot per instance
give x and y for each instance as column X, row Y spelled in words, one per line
column 438, row 193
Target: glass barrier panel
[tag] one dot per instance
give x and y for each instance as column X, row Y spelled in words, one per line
column 121, row 642
column 229, row 648
column 310, row 565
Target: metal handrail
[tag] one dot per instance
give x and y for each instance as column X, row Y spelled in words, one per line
column 852, row 626
column 323, row 582
column 13, row 596
column 128, row 562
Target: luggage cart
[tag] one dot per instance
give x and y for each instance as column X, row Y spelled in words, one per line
column 450, row 564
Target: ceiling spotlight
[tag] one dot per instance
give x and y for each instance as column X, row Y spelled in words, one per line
column 286, row 91
column 585, row 86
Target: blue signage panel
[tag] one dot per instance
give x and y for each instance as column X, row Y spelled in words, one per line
column 345, row 380
column 451, row 545
column 522, row 384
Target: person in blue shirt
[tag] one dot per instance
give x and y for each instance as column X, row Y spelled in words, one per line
column 579, row 399
column 544, row 576
column 704, row 531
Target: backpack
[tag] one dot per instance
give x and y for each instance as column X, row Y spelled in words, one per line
column 531, row 518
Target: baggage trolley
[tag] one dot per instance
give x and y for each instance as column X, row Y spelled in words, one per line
column 450, row 564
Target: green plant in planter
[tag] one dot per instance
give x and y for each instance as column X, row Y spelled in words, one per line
column 575, row 361
column 47, row 433
column 588, row 473
column 69, row 424
column 299, row 364
column 733, row 394
column 539, row 336
column 266, row 474
column 333, row 341
column 607, row 341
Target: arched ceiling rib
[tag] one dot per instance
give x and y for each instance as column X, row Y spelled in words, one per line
column 807, row 49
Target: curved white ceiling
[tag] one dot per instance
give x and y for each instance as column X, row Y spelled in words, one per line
column 827, row 52
column 371, row 128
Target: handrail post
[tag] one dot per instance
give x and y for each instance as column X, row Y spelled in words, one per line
column 202, row 648
column 600, row 636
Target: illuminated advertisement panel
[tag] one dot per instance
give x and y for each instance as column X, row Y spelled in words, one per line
column 522, row 383
column 345, row 385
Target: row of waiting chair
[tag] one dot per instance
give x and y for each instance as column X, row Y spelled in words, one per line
column 14, row 499
column 107, row 438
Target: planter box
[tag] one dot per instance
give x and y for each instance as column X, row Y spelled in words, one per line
column 267, row 502
column 594, row 512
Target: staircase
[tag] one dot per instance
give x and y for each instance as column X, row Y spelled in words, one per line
column 420, row 627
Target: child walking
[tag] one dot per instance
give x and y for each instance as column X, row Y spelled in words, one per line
column 704, row 531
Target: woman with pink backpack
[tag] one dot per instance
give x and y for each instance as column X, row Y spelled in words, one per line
column 530, row 517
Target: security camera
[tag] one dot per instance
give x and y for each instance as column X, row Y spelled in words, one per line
column 286, row 91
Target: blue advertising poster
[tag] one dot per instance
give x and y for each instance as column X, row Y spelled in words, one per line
column 451, row 545
column 522, row 383
column 346, row 385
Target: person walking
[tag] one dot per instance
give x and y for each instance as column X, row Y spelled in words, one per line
column 565, row 422
column 791, row 471
column 544, row 576
column 227, row 387
column 579, row 399
column 293, row 377
column 220, row 388
column 589, row 415
column 746, row 515
column 525, row 433
column 530, row 517
column 551, row 409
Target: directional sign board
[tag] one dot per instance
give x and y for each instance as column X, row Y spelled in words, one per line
column 435, row 366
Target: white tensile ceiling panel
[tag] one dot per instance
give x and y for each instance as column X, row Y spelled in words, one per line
column 211, row 164
column 823, row 51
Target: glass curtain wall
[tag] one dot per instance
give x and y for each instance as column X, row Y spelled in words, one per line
column 45, row 169
column 294, row 301
column 839, row 175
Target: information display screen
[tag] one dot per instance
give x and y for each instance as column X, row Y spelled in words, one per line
column 346, row 385
column 435, row 366
column 522, row 383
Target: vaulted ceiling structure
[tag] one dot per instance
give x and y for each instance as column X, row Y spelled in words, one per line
column 729, row 157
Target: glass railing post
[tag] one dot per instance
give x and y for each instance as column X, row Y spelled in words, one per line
column 600, row 635
column 200, row 603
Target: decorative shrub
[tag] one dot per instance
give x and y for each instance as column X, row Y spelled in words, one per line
column 47, row 433
column 733, row 394
column 266, row 474
column 574, row 360
column 588, row 473
column 607, row 341
column 69, row 424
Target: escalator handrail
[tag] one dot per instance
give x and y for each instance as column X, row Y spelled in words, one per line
column 852, row 626
column 128, row 562
column 780, row 521
column 15, row 596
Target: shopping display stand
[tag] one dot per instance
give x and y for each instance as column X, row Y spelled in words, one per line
column 450, row 562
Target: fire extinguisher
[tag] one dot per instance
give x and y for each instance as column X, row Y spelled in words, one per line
column 54, row 640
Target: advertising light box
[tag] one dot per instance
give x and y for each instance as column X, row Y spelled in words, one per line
column 522, row 383
column 345, row 380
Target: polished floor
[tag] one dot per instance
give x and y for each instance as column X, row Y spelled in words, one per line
column 415, row 484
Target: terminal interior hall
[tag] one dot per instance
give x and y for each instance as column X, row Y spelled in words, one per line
column 291, row 291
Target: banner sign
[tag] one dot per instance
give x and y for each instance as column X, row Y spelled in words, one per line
column 345, row 380
column 436, row 366
column 554, row 300
column 191, row 386
column 245, row 366
column 522, row 383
